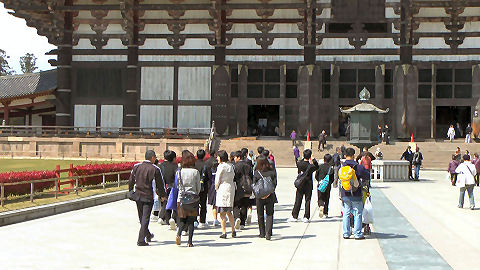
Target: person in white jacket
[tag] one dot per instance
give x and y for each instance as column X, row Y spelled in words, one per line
column 451, row 133
column 466, row 181
column 225, row 188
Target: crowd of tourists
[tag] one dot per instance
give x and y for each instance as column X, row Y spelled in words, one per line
column 464, row 170
column 179, row 190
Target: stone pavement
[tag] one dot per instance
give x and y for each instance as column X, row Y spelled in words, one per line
column 417, row 226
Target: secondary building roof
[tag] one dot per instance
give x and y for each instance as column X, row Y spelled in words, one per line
column 13, row 86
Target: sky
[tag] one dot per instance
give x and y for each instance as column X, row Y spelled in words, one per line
column 17, row 39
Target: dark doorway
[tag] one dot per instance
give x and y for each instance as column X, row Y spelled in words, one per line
column 263, row 120
column 451, row 115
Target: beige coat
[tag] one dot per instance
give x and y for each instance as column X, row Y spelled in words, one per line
column 224, row 185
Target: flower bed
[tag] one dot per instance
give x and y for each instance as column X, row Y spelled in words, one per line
column 102, row 168
column 22, row 189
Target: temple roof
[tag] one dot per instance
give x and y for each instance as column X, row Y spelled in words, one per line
column 12, row 86
column 364, row 107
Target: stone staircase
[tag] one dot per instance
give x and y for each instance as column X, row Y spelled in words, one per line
column 436, row 154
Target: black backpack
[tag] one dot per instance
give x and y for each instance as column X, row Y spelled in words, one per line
column 246, row 184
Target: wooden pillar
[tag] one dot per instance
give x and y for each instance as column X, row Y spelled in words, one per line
column 63, row 103
column 131, row 109
column 283, row 97
column 29, row 112
column 242, row 111
column 380, row 90
column 405, row 33
column 6, row 112
column 405, row 91
column 475, row 99
column 433, row 127
column 335, row 106
column 306, row 102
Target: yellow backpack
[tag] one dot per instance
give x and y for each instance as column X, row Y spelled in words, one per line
column 348, row 178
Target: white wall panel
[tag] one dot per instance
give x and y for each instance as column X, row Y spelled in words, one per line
column 156, row 43
column 335, row 43
column 390, row 13
column 431, row 27
column 111, row 117
column 155, row 116
column 471, row 11
column 114, row 29
column 471, row 26
column 244, row 14
column 286, row 14
column 326, row 13
column 194, row 117
column 196, row 29
column 446, row 57
column 157, row 83
column 470, row 42
column 431, row 43
column 194, row 83
column 286, row 28
column 358, row 58
column 84, row 44
column 244, row 43
column 197, row 14
column 380, row 43
column 239, row 28
column 156, row 14
column 431, row 12
column 89, row 58
column 114, row 43
column 170, row 58
column 265, row 58
column 196, row 43
column 285, row 43
column 85, row 116
column 84, row 29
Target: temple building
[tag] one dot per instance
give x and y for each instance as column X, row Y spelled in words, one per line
column 261, row 66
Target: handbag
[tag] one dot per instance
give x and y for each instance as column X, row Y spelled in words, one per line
column 367, row 213
column 300, row 181
column 133, row 196
column 263, row 187
column 189, row 201
column 173, row 196
column 325, row 181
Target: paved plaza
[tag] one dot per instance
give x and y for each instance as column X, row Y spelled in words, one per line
column 417, row 226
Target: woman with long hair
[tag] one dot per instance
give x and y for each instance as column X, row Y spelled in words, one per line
column 225, row 187
column 188, row 180
column 266, row 204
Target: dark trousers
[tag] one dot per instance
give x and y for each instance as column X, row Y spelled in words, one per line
column 324, row 199
column 298, row 202
column 185, row 224
column 167, row 214
column 263, row 206
column 203, row 206
column 144, row 210
column 321, row 145
column 241, row 208
column 410, row 176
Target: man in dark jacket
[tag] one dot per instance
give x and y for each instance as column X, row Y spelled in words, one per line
column 243, row 181
column 141, row 178
column 352, row 200
column 337, row 163
column 306, row 166
column 204, row 180
column 417, row 162
column 408, row 155
column 324, row 197
column 168, row 168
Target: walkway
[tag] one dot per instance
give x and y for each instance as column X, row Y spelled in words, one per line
column 417, row 227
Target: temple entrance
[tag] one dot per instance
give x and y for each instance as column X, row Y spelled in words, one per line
column 263, row 120
column 344, row 122
column 458, row 116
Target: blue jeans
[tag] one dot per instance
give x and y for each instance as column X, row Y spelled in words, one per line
column 352, row 205
column 469, row 189
column 417, row 172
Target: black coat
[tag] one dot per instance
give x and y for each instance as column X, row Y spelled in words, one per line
column 242, row 168
column 407, row 156
column 168, row 171
column 142, row 176
column 308, row 169
column 322, row 172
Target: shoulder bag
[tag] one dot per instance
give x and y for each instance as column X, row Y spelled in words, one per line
column 263, row 187
column 189, row 201
column 325, row 181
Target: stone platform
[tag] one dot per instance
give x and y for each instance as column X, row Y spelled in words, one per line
column 417, row 226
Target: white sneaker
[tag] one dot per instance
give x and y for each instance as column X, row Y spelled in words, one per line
column 249, row 219
column 195, row 224
column 217, row 223
column 320, row 214
column 305, row 220
column 184, row 233
column 202, row 225
column 325, row 216
column 161, row 221
column 237, row 224
column 242, row 227
column 154, row 218
column 291, row 219
column 172, row 224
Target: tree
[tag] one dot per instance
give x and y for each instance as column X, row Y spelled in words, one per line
column 28, row 63
column 4, row 67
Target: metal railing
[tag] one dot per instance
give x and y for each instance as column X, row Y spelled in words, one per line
column 75, row 188
column 108, row 132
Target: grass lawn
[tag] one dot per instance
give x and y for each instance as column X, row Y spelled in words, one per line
column 9, row 165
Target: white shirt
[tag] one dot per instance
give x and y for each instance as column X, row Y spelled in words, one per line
column 451, row 132
column 465, row 176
